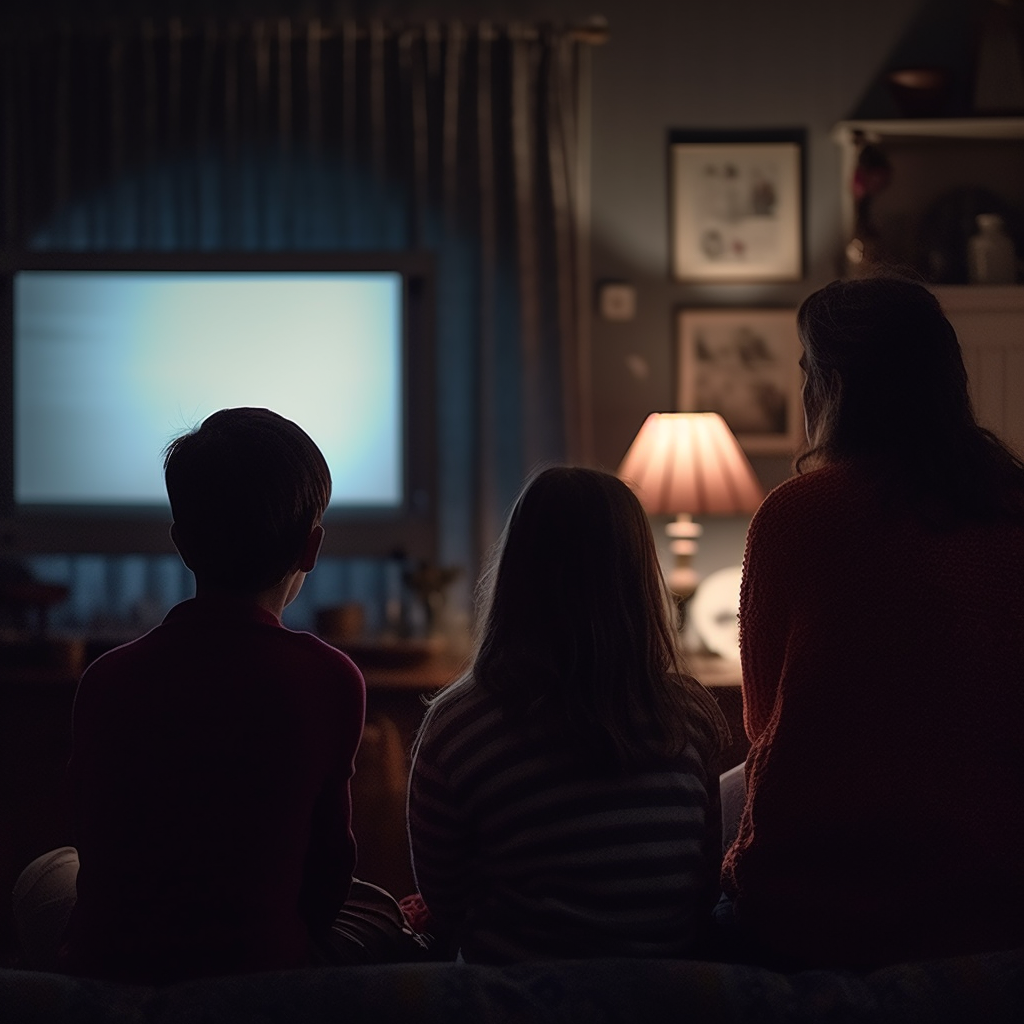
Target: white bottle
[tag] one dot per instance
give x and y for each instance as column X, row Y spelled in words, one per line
column 990, row 255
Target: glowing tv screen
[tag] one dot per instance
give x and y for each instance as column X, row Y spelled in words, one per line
column 110, row 362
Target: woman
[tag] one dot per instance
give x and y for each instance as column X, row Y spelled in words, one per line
column 563, row 798
column 882, row 638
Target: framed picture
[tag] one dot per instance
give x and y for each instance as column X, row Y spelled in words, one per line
column 744, row 365
column 737, row 207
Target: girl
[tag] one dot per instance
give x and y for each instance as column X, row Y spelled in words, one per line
column 563, row 798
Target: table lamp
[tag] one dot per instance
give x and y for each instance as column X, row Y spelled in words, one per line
column 689, row 464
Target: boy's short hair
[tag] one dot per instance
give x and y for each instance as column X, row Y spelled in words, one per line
column 246, row 488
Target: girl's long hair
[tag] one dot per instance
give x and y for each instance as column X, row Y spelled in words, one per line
column 577, row 636
column 886, row 385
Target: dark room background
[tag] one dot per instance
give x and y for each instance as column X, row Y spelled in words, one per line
column 569, row 189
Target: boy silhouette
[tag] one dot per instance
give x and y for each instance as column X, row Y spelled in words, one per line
column 212, row 757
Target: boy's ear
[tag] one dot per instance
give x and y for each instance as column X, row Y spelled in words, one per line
column 176, row 540
column 311, row 549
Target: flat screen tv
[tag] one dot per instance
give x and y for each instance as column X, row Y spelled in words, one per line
column 106, row 357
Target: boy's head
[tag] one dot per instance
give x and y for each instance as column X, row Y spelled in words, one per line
column 246, row 489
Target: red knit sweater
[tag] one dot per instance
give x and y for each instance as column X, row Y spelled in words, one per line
column 883, row 679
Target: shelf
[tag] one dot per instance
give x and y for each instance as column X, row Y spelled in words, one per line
column 942, row 171
column 966, row 128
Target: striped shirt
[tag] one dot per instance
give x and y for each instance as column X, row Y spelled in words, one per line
column 522, row 852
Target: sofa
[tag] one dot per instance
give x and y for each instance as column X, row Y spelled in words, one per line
column 980, row 989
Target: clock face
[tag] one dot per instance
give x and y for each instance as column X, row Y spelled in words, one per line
column 714, row 612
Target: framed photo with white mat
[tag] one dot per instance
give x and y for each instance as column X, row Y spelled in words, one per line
column 744, row 364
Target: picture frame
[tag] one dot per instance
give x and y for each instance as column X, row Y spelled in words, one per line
column 745, row 365
column 737, row 206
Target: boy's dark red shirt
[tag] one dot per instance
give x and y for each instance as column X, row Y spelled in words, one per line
column 210, row 782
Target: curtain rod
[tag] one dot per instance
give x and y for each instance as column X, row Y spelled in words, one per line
column 593, row 32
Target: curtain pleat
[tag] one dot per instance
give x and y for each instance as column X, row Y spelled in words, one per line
column 62, row 130
column 203, row 212
column 489, row 397
column 452, row 72
column 346, row 227
column 284, row 131
column 526, row 198
column 258, row 165
column 411, row 90
column 310, row 181
column 116, row 134
column 230, row 172
column 273, row 134
column 149, row 212
column 177, row 183
column 9, row 163
column 562, row 161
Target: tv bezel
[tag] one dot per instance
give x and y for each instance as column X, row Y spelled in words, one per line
column 368, row 531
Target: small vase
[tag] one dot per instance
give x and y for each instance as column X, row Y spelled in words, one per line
column 990, row 254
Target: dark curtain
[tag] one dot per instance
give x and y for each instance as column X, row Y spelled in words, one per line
column 273, row 134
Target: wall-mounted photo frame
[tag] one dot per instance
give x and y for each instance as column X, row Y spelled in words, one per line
column 745, row 365
column 737, row 206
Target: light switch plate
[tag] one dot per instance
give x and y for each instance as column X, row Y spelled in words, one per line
column 616, row 300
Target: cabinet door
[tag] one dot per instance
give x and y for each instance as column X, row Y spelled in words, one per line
column 989, row 321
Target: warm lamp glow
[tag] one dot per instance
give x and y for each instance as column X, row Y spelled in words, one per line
column 690, row 462
column 686, row 464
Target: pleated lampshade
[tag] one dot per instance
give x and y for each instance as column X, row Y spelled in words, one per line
column 690, row 462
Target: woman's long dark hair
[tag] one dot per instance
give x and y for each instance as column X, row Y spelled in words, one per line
column 886, row 385
column 577, row 635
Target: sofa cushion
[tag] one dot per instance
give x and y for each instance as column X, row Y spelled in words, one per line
column 987, row 988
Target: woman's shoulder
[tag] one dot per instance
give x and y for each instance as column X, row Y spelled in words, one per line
column 824, row 481
column 807, row 516
column 805, row 497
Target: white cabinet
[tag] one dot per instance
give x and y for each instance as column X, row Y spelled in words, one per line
column 989, row 321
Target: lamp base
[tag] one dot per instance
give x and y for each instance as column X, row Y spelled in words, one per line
column 682, row 578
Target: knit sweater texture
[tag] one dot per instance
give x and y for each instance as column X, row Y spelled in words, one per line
column 883, row 681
